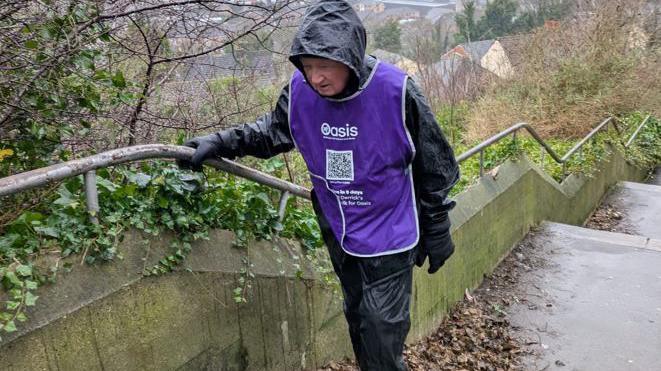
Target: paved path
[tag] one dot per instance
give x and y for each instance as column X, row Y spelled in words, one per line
column 595, row 304
column 640, row 205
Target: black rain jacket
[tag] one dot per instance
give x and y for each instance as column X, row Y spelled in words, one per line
column 331, row 29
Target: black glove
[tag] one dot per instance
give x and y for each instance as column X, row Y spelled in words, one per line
column 437, row 245
column 208, row 146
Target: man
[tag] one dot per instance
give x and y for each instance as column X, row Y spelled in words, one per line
column 380, row 168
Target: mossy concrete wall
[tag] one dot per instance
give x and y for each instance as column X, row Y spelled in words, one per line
column 496, row 213
column 109, row 317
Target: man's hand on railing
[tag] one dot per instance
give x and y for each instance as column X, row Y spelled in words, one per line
column 206, row 147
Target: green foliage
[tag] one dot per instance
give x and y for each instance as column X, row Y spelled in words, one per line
column 301, row 224
column 645, row 150
column 466, row 23
column 452, row 119
column 60, row 79
column 155, row 198
column 498, row 19
column 501, row 19
column 578, row 79
column 571, row 77
column 545, row 10
column 387, row 37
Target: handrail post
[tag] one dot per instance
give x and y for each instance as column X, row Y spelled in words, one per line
column 635, row 134
column 92, row 196
column 580, row 155
column 481, row 163
column 541, row 161
column 618, row 130
column 282, row 205
column 514, row 142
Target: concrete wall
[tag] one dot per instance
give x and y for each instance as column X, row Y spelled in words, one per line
column 110, row 318
column 492, row 216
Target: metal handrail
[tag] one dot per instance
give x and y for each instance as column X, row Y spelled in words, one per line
column 479, row 149
column 635, row 133
column 88, row 165
column 496, row 138
column 39, row 177
column 43, row 176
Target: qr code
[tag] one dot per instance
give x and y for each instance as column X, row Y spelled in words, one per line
column 339, row 165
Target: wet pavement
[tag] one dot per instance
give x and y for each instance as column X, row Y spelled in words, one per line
column 640, row 205
column 595, row 303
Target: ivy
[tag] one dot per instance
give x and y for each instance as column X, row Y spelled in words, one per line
column 645, row 150
column 154, row 198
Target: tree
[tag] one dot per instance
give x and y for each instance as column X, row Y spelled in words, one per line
column 466, row 22
column 498, row 19
column 536, row 14
column 387, row 37
column 423, row 42
column 89, row 75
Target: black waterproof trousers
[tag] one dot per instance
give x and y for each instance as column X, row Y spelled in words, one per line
column 377, row 300
column 377, row 293
column 377, row 297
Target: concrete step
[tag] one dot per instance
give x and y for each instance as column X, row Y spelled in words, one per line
column 594, row 303
column 640, row 205
column 581, row 235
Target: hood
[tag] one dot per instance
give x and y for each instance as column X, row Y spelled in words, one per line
column 331, row 29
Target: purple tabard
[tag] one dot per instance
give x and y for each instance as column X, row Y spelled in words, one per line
column 359, row 154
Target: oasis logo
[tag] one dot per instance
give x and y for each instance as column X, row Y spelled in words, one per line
column 347, row 132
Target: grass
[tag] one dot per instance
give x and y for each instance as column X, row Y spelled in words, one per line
column 570, row 78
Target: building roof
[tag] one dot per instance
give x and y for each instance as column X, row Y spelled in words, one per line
column 477, row 49
column 474, row 50
column 457, row 68
column 448, row 67
column 514, row 47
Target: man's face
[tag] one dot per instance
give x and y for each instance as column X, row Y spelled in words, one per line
column 326, row 76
